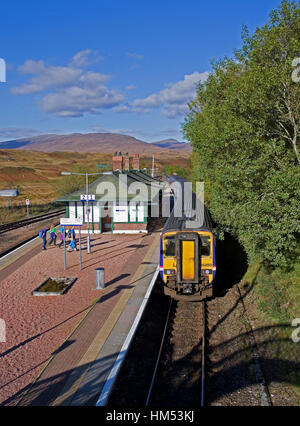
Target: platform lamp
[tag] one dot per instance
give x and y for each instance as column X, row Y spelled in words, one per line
column 87, row 198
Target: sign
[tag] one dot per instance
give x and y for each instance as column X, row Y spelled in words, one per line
column 27, row 202
column 71, row 221
column 92, row 197
column 120, row 213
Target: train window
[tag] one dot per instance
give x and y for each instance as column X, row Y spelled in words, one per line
column 170, row 247
column 205, row 246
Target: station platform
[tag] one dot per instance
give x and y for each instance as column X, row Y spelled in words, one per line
column 76, row 373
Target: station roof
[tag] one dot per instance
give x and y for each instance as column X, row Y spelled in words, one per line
column 115, row 188
column 9, row 193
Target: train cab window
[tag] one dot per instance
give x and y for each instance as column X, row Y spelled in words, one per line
column 205, row 246
column 170, row 247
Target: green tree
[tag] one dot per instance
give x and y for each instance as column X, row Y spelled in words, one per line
column 244, row 128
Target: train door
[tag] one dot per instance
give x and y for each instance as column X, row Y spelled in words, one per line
column 187, row 245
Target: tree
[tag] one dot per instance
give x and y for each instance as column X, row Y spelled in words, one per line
column 244, row 128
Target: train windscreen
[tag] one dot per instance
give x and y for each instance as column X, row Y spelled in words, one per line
column 205, row 246
column 170, row 247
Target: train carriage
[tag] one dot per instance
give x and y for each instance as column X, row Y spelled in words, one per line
column 187, row 258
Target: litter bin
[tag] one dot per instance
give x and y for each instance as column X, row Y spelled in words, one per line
column 100, row 283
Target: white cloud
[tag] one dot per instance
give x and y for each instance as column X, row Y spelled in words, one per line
column 45, row 77
column 76, row 100
column 71, row 91
column 17, row 132
column 134, row 55
column 85, row 57
column 129, row 108
column 130, row 87
column 173, row 99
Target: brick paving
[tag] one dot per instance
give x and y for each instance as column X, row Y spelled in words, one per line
column 37, row 326
column 53, row 378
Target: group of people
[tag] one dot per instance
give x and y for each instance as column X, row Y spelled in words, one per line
column 64, row 234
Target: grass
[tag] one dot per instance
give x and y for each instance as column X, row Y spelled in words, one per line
column 52, row 286
column 37, row 175
column 15, row 213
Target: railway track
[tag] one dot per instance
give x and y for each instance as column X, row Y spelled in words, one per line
column 20, row 223
column 179, row 373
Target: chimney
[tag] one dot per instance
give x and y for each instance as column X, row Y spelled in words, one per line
column 126, row 162
column 136, row 161
column 117, row 162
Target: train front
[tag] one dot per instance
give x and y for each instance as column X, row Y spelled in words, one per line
column 188, row 264
column 187, row 252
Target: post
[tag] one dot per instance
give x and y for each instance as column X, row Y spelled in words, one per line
column 87, row 212
column 80, row 248
column 27, row 210
column 65, row 257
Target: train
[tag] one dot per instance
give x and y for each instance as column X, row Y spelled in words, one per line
column 187, row 248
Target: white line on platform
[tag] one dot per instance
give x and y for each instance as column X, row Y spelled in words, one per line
column 18, row 248
column 107, row 388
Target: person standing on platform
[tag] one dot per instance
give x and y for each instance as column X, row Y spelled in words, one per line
column 44, row 237
column 62, row 236
column 52, row 235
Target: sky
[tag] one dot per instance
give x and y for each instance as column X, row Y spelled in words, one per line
column 115, row 66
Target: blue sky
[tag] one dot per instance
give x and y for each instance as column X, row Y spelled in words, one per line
column 112, row 66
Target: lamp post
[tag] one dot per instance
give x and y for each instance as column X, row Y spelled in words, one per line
column 87, row 198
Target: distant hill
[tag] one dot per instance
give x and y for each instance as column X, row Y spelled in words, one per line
column 93, row 142
column 173, row 144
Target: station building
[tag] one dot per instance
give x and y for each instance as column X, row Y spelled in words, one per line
column 122, row 204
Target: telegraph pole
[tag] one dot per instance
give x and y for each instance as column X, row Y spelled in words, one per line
column 87, row 212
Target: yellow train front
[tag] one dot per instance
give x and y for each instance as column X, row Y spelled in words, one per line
column 187, row 258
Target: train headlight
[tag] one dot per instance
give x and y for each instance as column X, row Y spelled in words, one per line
column 169, row 272
column 207, row 271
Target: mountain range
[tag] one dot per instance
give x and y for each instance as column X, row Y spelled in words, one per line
column 94, row 142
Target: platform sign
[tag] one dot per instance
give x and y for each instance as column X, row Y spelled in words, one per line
column 65, row 221
column 27, row 206
column 92, row 197
column 120, row 213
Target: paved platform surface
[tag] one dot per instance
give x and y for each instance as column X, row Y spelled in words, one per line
column 75, row 372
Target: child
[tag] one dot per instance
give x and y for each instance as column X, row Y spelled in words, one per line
column 52, row 236
column 62, row 236
column 72, row 245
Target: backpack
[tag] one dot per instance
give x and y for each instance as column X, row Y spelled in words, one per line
column 41, row 234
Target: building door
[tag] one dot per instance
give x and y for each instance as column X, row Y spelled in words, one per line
column 106, row 221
